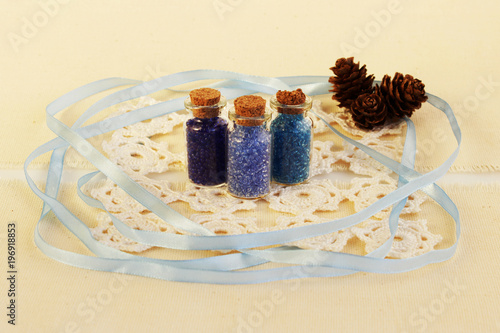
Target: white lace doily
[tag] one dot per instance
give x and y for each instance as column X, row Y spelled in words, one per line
column 143, row 151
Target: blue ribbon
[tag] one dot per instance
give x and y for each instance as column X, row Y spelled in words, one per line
column 224, row 269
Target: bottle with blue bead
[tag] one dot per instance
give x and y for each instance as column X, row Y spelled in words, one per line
column 206, row 138
column 291, row 134
column 249, row 148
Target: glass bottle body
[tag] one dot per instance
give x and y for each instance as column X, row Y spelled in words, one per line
column 291, row 137
column 206, row 150
column 249, row 157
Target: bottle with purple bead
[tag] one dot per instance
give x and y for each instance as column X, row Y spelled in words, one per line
column 206, row 136
column 249, row 148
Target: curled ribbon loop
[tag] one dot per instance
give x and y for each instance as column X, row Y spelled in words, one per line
column 224, row 269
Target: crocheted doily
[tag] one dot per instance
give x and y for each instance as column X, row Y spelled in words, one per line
column 153, row 153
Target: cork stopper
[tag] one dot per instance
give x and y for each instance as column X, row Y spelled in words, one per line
column 250, row 106
column 205, row 97
column 292, row 98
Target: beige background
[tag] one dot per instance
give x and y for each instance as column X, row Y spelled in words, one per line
column 452, row 46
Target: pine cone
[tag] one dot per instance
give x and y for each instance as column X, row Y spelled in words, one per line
column 349, row 81
column 368, row 111
column 403, row 94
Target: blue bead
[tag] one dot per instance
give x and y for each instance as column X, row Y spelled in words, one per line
column 249, row 158
column 291, row 136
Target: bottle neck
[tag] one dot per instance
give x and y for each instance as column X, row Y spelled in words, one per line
column 206, row 120
column 292, row 116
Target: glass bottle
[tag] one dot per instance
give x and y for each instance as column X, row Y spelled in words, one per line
column 249, row 148
column 206, row 137
column 291, row 134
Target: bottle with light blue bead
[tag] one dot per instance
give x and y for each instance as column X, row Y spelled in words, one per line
column 249, row 148
column 291, row 132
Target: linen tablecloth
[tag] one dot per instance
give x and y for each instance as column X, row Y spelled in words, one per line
column 52, row 46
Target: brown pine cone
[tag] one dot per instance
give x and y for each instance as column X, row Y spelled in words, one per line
column 403, row 94
column 349, row 81
column 368, row 111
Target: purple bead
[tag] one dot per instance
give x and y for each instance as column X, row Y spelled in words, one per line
column 207, row 151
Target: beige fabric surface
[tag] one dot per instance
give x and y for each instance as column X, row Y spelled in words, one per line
column 450, row 45
column 460, row 295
